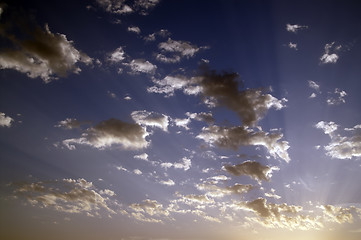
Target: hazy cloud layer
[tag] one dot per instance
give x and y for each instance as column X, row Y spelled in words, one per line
column 235, row 137
column 40, row 53
column 112, row 132
column 67, row 195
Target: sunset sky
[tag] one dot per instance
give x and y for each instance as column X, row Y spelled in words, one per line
column 180, row 120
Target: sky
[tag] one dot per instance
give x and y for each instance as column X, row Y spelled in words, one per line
column 180, row 120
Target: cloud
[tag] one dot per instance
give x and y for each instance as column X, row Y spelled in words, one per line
column 151, row 119
column 337, row 214
column 5, row 121
column 193, row 199
column 142, row 156
column 328, row 56
column 338, row 99
column 149, row 207
column 295, row 27
column 137, row 172
column 182, row 122
column 215, row 191
column 280, row 215
column 235, row 137
column 134, row 29
column 327, row 127
column 118, row 55
column 314, row 85
column 292, row 45
column 161, row 33
column 342, row 147
column 41, row 53
column 176, row 50
column 142, row 7
column 202, row 116
column 67, row 195
column 71, row 123
column 251, row 104
column 185, row 164
column 170, row 84
column 252, row 169
column 112, row 132
column 168, row 182
column 141, row 66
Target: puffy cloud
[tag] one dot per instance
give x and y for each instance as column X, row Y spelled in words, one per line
column 141, row 7
column 337, row 214
column 118, row 55
column 142, row 156
column 342, row 147
column 280, row 215
column 134, row 29
column 137, row 172
column 252, row 169
column 202, row 116
column 168, row 182
column 67, row 195
column 235, row 137
column 112, row 132
column 177, row 50
column 152, row 119
column 141, row 66
column 5, row 121
column 170, row 84
column 329, row 55
column 71, row 123
column 185, row 164
column 295, row 27
column 313, row 95
column 161, row 33
column 149, row 207
column 250, row 104
column 213, row 190
column 327, row 127
column 193, row 199
column 41, row 53
column 338, row 99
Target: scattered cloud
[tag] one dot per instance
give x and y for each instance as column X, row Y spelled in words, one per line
column 151, row 119
column 112, row 132
column 295, row 27
column 141, row 66
column 185, row 164
column 168, row 182
column 314, row 85
column 234, row 137
column 134, row 29
column 151, row 208
column 292, row 45
column 67, row 195
column 5, row 121
column 142, row 7
column 118, row 55
column 215, row 191
column 112, row 95
column 40, row 53
column 173, row 51
column 330, row 55
column 142, row 156
column 342, row 147
column 338, row 98
column 137, row 172
column 161, row 33
column 252, row 169
column 337, row 214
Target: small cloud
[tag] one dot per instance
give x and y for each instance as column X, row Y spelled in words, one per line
column 142, row 7
column 137, row 172
column 127, row 98
column 338, row 98
column 134, row 29
column 252, row 169
column 292, row 45
column 330, row 55
column 168, row 182
column 118, row 55
column 71, row 123
column 161, row 33
column 142, row 156
column 185, row 164
column 314, row 85
column 5, row 121
column 295, row 27
column 151, row 119
column 327, row 127
column 313, row 95
column 141, row 66
column 112, row 95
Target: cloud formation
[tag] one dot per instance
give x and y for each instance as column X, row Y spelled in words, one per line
column 330, row 55
column 134, row 29
column 185, row 164
column 112, row 132
column 5, row 121
column 67, row 195
column 142, row 7
column 40, row 53
column 118, row 55
column 151, row 119
column 141, row 66
column 252, row 169
column 235, row 137
column 338, row 98
column 294, row 28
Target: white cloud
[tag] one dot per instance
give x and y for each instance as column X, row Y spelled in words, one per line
column 151, row 119
column 234, row 137
column 182, row 122
column 142, row 156
column 314, row 85
column 43, row 54
column 141, row 66
column 338, row 98
column 117, row 55
column 313, row 95
column 185, row 164
column 329, row 55
column 295, row 27
column 142, row 7
column 168, row 182
column 5, row 121
column 134, row 29
column 292, row 45
column 161, row 33
column 327, row 127
column 112, row 132
column 137, row 171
